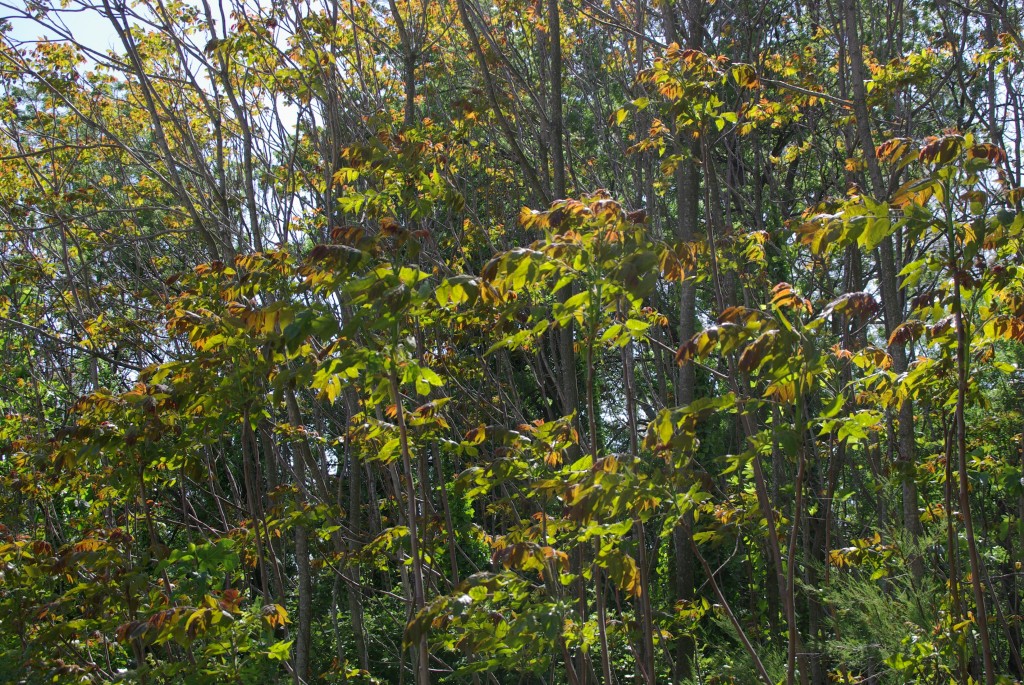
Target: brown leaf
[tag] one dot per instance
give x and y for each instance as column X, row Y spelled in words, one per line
column 994, row 154
column 942, row 150
column 906, row 332
column 892, row 150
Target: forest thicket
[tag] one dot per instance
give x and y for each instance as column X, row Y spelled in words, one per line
column 512, row 341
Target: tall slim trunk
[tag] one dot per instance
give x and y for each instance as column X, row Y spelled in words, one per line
column 355, row 522
column 422, row 666
column 953, row 547
column 303, row 634
column 566, row 355
column 405, row 36
column 748, row 422
column 687, row 195
column 645, row 660
column 888, row 270
column 252, row 496
column 1017, row 604
column 962, row 353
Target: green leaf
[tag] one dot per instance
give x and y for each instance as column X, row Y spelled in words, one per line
column 280, row 651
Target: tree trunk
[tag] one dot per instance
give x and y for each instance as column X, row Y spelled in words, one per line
column 888, row 270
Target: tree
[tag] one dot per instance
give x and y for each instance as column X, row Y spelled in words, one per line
column 571, row 342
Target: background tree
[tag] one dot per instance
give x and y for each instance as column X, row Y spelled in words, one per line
column 561, row 342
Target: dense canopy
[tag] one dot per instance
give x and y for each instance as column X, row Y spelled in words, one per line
column 562, row 341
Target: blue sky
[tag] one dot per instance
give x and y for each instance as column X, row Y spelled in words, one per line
column 87, row 26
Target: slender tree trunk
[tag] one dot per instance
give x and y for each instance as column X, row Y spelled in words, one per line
column 301, row 457
column 353, row 573
column 687, row 194
column 645, row 659
column 888, row 270
column 405, row 36
column 962, row 353
column 422, row 666
column 566, row 355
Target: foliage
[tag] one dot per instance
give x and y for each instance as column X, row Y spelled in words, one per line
column 530, row 342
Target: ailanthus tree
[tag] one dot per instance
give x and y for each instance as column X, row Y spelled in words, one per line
column 544, row 342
